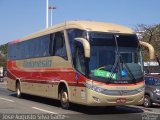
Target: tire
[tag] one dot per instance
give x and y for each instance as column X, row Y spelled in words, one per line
column 18, row 90
column 147, row 101
column 64, row 100
column 110, row 107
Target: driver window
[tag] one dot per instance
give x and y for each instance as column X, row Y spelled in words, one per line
column 80, row 59
column 59, row 45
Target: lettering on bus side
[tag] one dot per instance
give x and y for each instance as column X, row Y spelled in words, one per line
column 37, row 64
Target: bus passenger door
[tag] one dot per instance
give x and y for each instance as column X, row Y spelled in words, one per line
column 80, row 59
column 81, row 71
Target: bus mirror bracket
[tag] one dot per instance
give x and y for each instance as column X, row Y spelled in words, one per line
column 86, row 46
column 151, row 49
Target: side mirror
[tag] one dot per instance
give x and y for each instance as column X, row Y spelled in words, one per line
column 86, row 46
column 150, row 48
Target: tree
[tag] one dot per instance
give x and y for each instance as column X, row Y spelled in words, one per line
column 3, row 49
column 150, row 34
column 3, row 55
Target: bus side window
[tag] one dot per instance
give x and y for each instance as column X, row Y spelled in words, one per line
column 59, row 45
column 51, row 44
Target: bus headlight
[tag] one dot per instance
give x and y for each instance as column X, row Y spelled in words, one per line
column 97, row 89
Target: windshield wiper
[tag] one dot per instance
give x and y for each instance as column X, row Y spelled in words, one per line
column 118, row 57
column 114, row 67
column 128, row 70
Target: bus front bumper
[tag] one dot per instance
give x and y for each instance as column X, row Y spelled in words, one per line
column 99, row 99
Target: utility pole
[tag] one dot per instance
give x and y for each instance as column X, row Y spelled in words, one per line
column 47, row 4
column 51, row 8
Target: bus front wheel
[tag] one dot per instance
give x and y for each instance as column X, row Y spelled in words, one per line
column 18, row 90
column 64, row 99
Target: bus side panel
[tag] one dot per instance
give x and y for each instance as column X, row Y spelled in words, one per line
column 78, row 94
column 41, row 81
column 11, row 84
column 39, row 89
column 11, row 79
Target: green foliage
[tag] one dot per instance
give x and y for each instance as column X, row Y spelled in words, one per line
column 3, row 55
column 150, row 34
column 3, row 49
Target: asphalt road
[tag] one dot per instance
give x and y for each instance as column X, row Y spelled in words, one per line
column 33, row 107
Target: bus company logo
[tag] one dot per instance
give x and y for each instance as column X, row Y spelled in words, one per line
column 76, row 76
column 123, row 92
column 37, row 64
column 121, row 88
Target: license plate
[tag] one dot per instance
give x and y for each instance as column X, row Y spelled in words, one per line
column 121, row 100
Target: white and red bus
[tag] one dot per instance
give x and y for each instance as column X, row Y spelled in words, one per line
column 84, row 62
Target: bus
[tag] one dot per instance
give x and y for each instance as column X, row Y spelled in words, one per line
column 84, row 62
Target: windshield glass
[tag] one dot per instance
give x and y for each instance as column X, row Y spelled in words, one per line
column 114, row 58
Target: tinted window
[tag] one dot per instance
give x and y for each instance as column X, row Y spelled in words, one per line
column 48, row 45
column 37, row 47
column 74, row 33
column 127, row 40
column 77, row 52
column 106, row 39
column 80, row 59
column 59, row 45
column 102, row 39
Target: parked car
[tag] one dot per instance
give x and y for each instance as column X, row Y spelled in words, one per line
column 1, row 74
column 152, row 89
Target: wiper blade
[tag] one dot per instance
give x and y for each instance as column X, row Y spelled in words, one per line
column 116, row 61
column 128, row 70
column 114, row 67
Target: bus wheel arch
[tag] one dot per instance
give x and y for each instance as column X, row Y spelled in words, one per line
column 18, row 88
column 63, row 95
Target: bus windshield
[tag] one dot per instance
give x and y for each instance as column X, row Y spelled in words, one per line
column 114, row 58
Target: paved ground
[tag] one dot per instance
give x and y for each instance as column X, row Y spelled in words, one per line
column 42, row 108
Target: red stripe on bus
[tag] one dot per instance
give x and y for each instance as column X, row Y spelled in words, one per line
column 53, row 82
column 41, row 81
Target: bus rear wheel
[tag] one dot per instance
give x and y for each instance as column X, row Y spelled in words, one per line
column 64, row 99
column 18, row 90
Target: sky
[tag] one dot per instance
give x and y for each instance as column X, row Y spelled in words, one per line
column 19, row 18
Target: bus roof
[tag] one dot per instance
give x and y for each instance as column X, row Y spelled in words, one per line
column 84, row 25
